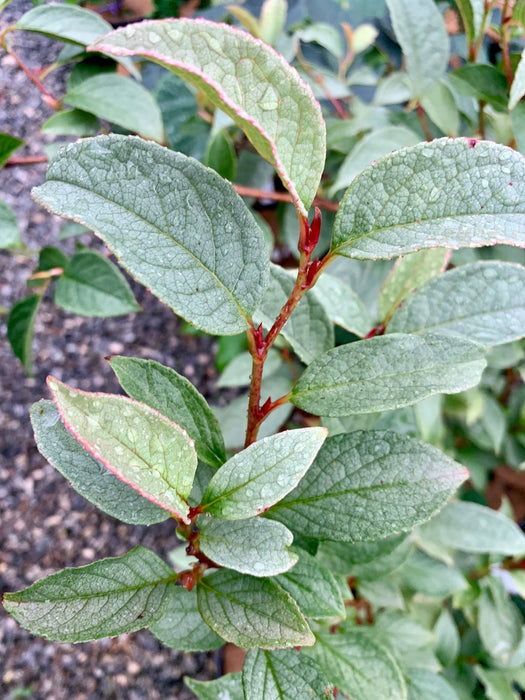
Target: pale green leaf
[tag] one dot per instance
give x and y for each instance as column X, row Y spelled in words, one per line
column 309, row 330
column 421, row 33
column 227, row 687
column 103, row 599
column 474, row 528
column 382, row 593
column 498, row 684
column 65, row 23
column 135, row 442
column 387, row 372
column 255, row 546
column 424, row 684
column 135, row 109
column 499, row 621
column 517, row 89
column 259, row 476
column 220, row 155
column 484, row 83
column 359, row 665
column 20, row 328
column 340, row 556
column 238, row 371
column 181, row 626
column 471, row 12
column 9, row 231
column 447, row 638
column 431, row 577
column 176, row 398
column 174, row 224
column 73, row 122
column 272, row 20
column 86, row 474
column 342, row 305
column 313, row 587
column 408, row 274
column 451, row 193
column 369, row 484
column 8, row 145
column 440, row 105
column 251, row 612
column 285, row 674
column 92, row 286
column 325, row 35
column 247, row 80
column 375, row 145
column 483, row 301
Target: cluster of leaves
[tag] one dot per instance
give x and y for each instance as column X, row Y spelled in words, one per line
column 336, row 535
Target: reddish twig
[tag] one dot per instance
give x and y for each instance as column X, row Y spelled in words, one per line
column 24, row 160
column 257, row 193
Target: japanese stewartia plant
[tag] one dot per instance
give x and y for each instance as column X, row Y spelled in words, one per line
column 307, row 545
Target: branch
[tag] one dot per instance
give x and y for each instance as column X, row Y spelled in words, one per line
column 282, row 197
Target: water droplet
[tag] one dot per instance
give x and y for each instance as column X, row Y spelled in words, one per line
column 129, row 31
column 484, row 183
column 154, row 38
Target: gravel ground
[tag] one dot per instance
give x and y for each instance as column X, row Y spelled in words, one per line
column 44, row 524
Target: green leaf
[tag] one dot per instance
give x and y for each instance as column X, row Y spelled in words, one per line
column 431, row 577
column 135, row 442
column 517, row 89
column 447, row 638
column 65, row 23
column 376, row 144
column 259, row 476
column 313, row 587
column 174, row 224
column 238, row 371
column 92, row 286
column 342, row 305
column 86, row 474
column 103, row 599
column 176, row 398
column 498, row 684
column 484, row 301
column 309, row 330
column 345, row 558
column 499, row 621
column 247, row 80
column 181, row 626
column 73, row 122
column 450, row 193
column 51, row 257
column 359, row 666
column 387, row 372
column 220, row 155
column 424, row 684
column 9, row 231
column 471, row 12
column 228, row 687
column 255, row 546
column 135, row 109
column 408, row 274
column 369, row 484
column 20, row 327
column 471, row 527
column 483, row 82
column 285, row 674
column 251, row 612
column 8, row 145
column 421, row 33
column 272, row 20
column 440, row 105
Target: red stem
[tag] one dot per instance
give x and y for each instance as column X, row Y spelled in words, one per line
column 47, row 97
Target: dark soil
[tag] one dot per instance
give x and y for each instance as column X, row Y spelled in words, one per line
column 44, row 525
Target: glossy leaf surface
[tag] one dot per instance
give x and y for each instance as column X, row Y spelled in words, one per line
column 20, row 327
column 387, row 372
column 247, row 80
column 87, row 475
column 251, row 612
column 92, row 286
column 135, row 442
column 259, row 476
column 369, row 484
column 103, row 599
column 449, row 193
column 176, row 398
column 175, row 225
